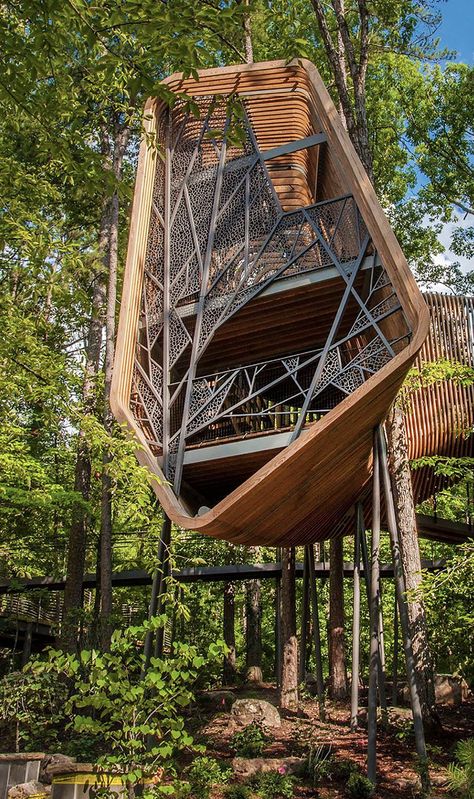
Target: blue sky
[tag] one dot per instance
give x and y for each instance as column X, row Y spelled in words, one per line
column 457, row 29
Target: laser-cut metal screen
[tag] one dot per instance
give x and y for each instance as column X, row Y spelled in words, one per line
column 218, row 239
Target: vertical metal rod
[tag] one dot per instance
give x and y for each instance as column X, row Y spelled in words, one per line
column 316, row 633
column 401, row 598
column 156, row 590
column 304, row 618
column 381, row 655
column 356, row 625
column 381, row 632
column 374, row 622
column 278, row 623
column 395, row 655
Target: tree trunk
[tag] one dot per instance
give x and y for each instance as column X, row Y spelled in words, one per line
column 248, row 46
column 82, row 478
column 111, row 262
column 229, row 670
column 253, row 623
column 253, row 601
column 337, row 656
column 289, row 641
column 406, row 521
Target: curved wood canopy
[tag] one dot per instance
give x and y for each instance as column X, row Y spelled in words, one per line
column 268, row 314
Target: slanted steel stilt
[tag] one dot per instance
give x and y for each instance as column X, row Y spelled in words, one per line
column 356, row 624
column 395, row 655
column 374, row 658
column 401, row 598
column 278, row 623
column 381, row 654
column 316, row 633
column 304, row 618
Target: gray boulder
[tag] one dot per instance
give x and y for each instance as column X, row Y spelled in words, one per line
column 56, row 764
column 246, row 767
column 25, row 790
column 248, row 711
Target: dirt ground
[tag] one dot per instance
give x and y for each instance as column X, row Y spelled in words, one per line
column 396, row 760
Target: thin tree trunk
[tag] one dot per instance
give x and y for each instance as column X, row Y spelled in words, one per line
column 254, row 631
column 248, row 46
column 289, row 668
column 82, row 479
column 410, row 552
column 111, row 259
column 337, row 655
column 229, row 670
column 253, row 623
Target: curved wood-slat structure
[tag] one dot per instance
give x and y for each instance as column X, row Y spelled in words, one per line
column 268, row 315
column 440, row 418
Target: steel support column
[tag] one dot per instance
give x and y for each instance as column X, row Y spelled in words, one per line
column 304, row 618
column 356, row 622
column 278, row 623
column 401, row 597
column 395, row 655
column 381, row 654
column 374, row 657
column 316, row 633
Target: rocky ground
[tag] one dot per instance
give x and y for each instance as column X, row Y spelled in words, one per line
column 396, row 760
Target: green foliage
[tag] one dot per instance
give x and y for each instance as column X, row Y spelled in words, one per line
column 273, row 784
column 32, row 705
column 250, row 742
column 137, row 719
column 461, row 773
column 449, row 595
column 237, row 791
column 205, row 773
column 343, row 768
column 359, row 787
column 320, row 763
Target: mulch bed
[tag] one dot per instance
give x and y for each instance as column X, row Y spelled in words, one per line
column 396, row 759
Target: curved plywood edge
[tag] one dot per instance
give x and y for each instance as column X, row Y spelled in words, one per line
column 298, row 495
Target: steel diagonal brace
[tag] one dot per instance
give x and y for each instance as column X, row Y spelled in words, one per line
column 329, row 341
column 294, row 146
column 343, row 274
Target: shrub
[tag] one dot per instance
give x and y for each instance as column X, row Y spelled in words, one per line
column 342, row 769
column 203, row 774
column 359, row 787
column 320, row 763
column 137, row 720
column 273, row 785
column 32, row 705
column 250, row 742
column 461, row 774
column 237, row 791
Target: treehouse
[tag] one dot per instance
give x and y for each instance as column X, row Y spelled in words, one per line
column 268, row 315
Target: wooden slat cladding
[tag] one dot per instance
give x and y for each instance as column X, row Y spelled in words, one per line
column 440, row 417
column 301, row 493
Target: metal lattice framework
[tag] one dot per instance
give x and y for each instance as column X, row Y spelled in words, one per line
column 218, row 238
column 268, row 316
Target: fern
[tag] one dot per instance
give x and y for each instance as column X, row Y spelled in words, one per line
column 461, row 774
